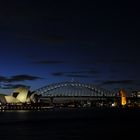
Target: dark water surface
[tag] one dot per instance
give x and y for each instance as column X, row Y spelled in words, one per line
column 70, row 124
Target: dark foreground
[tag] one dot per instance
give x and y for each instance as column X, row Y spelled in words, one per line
column 71, row 124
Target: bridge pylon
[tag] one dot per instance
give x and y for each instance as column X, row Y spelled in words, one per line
column 122, row 93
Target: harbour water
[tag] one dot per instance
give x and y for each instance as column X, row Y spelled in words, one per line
column 70, row 124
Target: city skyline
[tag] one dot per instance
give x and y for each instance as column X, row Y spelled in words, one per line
column 49, row 41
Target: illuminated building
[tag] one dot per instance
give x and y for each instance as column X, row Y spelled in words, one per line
column 123, row 97
column 20, row 95
column 136, row 94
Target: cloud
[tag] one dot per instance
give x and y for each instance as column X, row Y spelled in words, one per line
column 81, row 73
column 116, row 85
column 6, row 81
column 109, row 60
column 111, row 82
column 18, row 78
column 78, row 76
column 58, row 74
column 90, row 71
column 13, row 86
column 2, row 78
column 49, row 62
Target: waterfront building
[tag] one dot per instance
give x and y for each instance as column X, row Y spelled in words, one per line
column 123, row 97
column 19, row 96
column 135, row 94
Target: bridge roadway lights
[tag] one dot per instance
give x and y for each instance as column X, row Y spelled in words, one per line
column 80, row 101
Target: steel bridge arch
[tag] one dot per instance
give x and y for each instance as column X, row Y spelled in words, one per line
column 72, row 89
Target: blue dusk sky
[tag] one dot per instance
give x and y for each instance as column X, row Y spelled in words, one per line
column 44, row 42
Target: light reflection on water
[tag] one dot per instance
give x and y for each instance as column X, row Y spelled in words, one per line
column 71, row 124
column 15, row 111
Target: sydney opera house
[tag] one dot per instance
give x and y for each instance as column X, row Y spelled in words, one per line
column 19, row 96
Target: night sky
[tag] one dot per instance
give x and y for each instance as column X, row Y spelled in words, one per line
column 44, row 42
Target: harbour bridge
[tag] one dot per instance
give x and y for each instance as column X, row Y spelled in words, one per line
column 73, row 89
